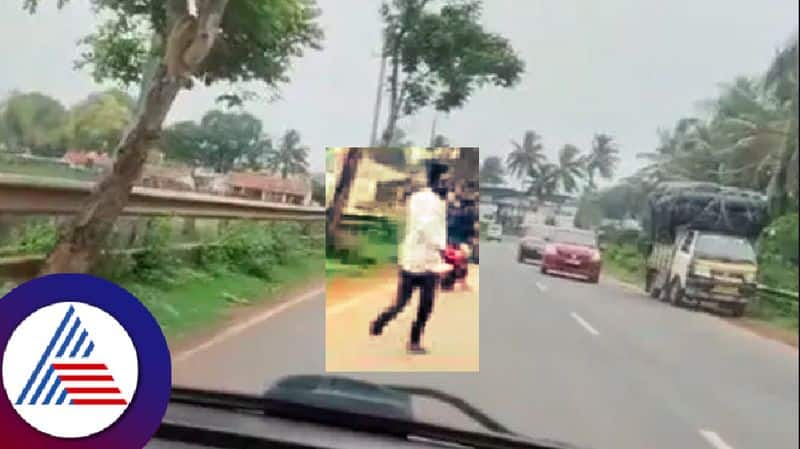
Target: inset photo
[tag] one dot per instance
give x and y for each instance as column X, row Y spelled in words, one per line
column 402, row 270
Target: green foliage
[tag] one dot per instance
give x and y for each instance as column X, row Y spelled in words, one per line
column 98, row 122
column 36, row 168
column 221, row 141
column 778, row 253
column 258, row 41
column 526, row 158
column 34, row 122
column 749, row 139
column 570, row 168
column 290, row 157
column 156, row 262
column 256, row 248
column 491, row 171
column 625, row 261
column 35, row 236
column 440, row 54
column 440, row 141
column 602, row 159
column 590, row 213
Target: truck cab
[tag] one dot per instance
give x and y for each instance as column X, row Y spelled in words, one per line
column 706, row 267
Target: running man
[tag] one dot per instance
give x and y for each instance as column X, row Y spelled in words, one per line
column 420, row 256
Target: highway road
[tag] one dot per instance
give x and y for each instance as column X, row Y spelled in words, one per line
column 599, row 366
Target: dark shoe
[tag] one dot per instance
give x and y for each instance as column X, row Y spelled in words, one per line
column 415, row 348
column 374, row 329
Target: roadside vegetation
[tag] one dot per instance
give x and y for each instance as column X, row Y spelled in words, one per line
column 624, row 258
column 363, row 249
column 194, row 287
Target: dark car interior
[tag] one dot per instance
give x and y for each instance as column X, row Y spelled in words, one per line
column 322, row 412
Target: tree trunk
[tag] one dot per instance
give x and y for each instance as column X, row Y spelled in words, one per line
column 341, row 194
column 82, row 239
column 394, row 100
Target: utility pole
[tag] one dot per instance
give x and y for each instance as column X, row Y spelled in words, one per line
column 433, row 129
column 378, row 97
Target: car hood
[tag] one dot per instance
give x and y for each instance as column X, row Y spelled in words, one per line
column 579, row 250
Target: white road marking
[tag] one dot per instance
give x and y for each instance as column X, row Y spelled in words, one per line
column 585, row 324
column 714, row 439
column 541, row 286
column 239, row 328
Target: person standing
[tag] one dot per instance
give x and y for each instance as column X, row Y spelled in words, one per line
column 420, row 256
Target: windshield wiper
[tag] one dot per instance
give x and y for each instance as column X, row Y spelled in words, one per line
column 350, row 420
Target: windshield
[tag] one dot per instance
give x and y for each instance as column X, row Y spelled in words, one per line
column 574, row 238
column 206, row 173
column 724, row 248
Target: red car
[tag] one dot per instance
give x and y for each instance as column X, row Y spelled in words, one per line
column 573, row 252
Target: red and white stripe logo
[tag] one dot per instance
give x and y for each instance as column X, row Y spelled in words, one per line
column 70, row 370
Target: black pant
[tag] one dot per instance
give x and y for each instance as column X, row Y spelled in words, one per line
column 405, row 287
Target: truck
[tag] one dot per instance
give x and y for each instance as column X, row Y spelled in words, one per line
column 701, row 245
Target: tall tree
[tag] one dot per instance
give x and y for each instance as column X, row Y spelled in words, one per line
column 602, row 159
column 162, row 47
column 782, row 81
column 290, row 157
column 34, row 122
column 97, row 123
column 491, row 172
column 526, row 158
column 439, row 55
column 542, row 181
column 570, row 168
column 220, row 141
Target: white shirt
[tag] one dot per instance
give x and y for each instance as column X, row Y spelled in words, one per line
column 426, row 232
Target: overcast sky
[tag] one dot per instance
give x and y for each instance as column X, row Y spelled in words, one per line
column 624, row 67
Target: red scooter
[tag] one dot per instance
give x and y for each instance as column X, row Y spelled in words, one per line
column 457, row 260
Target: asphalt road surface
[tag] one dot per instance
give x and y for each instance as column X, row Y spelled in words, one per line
column 598, row 366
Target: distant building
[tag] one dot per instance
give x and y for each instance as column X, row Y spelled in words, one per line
column 87, row 159
column 267, row 187
column 167, row 177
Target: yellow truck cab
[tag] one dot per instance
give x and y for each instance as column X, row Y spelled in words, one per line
column 708, row 267
column 701, row 252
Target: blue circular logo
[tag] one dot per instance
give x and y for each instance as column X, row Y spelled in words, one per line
column 83, row 364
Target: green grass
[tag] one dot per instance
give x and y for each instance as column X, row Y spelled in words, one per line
column 624, row 262
column 197, row 299
column 43, row 169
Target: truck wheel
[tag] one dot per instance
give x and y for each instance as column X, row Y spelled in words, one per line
column 520, row 259
column 675, row 294
column 542, row 269
column 737, row 311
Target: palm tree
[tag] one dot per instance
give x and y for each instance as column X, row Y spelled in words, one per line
column 603, row 158
column 542, row 181
column 782, row 81
column 748, row 131
column 570, row 168
column 526, row 158
column 290, row 157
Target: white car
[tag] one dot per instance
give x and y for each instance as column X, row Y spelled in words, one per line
column 495, row 232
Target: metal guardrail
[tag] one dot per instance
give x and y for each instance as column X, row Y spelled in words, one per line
column 778, row 292
column 21, row 195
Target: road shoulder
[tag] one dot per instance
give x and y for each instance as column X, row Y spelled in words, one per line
column 240, row 314
column 754, row 326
